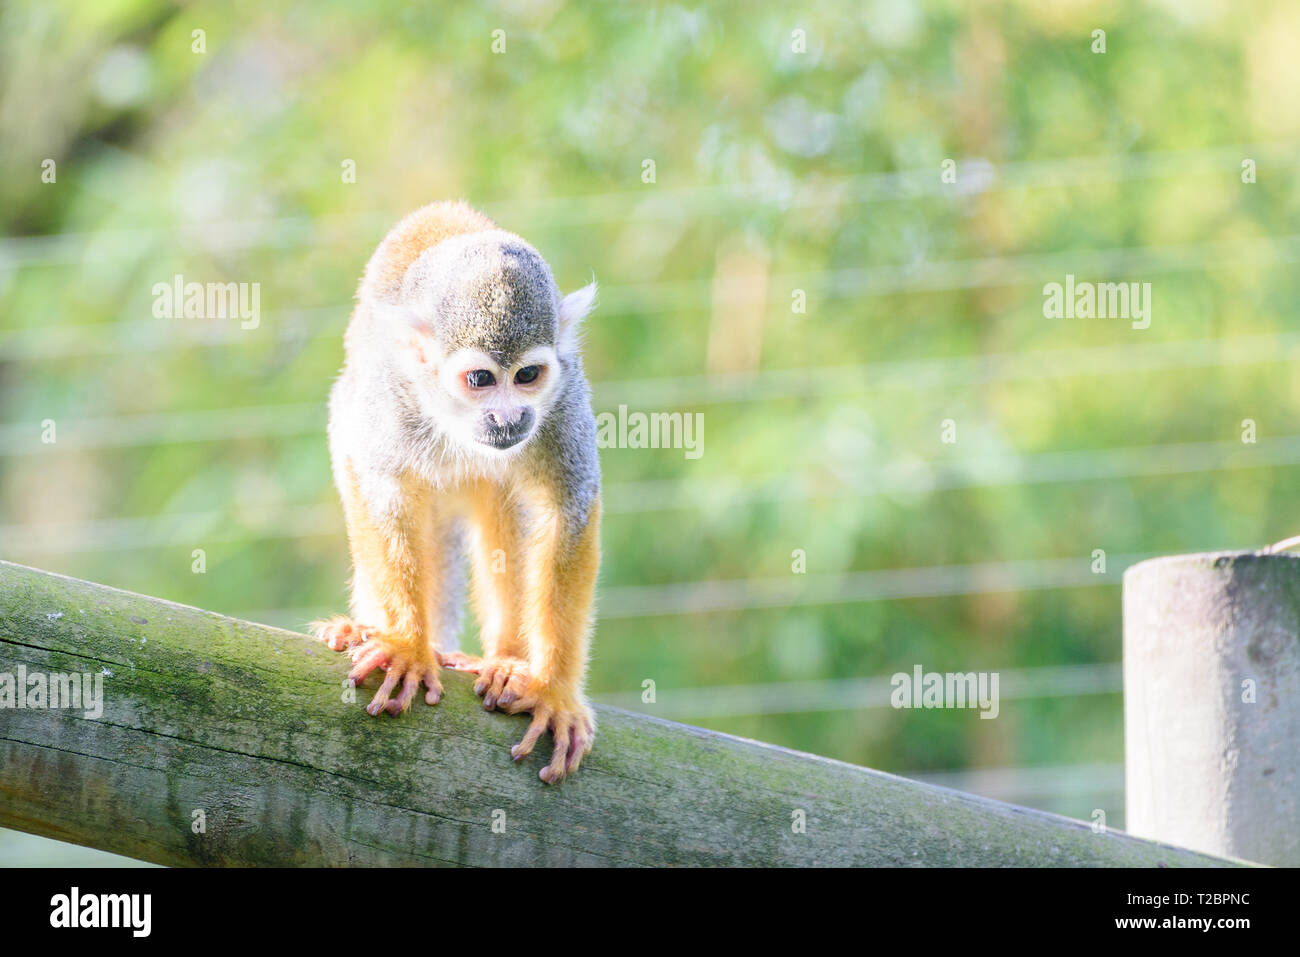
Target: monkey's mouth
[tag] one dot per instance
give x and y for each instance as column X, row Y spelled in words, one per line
column 502, row 439
column 499, row 432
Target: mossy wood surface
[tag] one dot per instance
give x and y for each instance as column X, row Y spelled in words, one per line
column 248, row 725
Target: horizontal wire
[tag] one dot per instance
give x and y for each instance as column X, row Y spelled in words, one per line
column 48, row 342
column 946, row 372
column 851, row 694
column 890, row 584
column 657, row 203
column 177, row 529
column 277, row 521
column 919, row 477
column 243, row 422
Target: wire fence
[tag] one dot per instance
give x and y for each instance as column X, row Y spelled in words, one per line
column 298, row 418
column 660, row 203
column 693, row 598
column 852, row 694
column 672, row 295
column 254, row 522
column 916, row 477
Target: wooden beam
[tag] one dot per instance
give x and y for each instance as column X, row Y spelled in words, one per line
column 246, row 729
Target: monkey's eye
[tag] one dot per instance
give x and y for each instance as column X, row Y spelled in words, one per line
column 480, row 379
column 527, row 374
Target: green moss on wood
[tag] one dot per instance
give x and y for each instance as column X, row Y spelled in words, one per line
column 249, row 724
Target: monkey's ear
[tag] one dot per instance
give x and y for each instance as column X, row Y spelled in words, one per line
column 402, row 320
column 573, row 309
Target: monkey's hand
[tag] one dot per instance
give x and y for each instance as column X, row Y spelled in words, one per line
column 502, row 680
column 570, row 721
column 340, row 633
column 404, row 659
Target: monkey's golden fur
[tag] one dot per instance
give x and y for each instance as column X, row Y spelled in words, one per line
column 533, row 567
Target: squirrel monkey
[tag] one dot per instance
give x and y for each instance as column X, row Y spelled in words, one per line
column 462, row 404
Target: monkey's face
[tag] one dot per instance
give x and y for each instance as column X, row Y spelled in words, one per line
column 499, row 407
column 485, row 337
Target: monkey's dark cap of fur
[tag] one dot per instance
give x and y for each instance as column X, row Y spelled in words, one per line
column 488, row 290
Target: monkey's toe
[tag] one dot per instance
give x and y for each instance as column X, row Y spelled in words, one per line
column 573, row 728
column 410, row 687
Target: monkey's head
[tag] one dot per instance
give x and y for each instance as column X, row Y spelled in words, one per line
column 484, row 334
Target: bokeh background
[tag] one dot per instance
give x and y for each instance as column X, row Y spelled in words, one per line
column 775, row 171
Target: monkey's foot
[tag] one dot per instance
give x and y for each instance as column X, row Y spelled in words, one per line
column 571, row 723
column 502, row 681
column 340, row 632
column 403, row 661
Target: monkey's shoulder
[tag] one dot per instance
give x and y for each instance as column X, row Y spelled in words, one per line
column 565, row 449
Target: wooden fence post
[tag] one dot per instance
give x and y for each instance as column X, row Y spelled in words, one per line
column 1212, row 703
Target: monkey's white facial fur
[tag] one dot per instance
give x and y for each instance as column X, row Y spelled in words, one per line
column 487, row 402
column 496, row 407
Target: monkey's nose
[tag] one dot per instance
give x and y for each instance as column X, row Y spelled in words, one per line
column 506, row 418
column 503, row 428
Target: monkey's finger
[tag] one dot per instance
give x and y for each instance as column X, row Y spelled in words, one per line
column 513, row 690
column 410, row 685
column 434, row 684
column 339, row 633
column 380, row 699
column 499, row 679
column 535, row 730
column 515, row 701
column 519, row 705
column 367, row 649
column 459, row 661
column 369, row 657
column 364, row 664
column 554, row 771
column 323, row 629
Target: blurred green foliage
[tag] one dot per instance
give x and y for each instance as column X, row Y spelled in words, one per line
column 775, row 170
